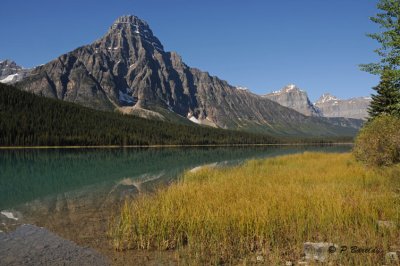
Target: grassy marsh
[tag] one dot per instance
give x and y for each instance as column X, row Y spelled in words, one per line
column 270, row 208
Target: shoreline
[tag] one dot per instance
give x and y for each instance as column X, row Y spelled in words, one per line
column 93, row 233
column 173, row 146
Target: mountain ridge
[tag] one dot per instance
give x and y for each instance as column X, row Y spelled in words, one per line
column 327, row 105
column 332, row 106
column 128, row 70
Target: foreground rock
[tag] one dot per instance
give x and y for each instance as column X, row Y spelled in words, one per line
column 392, row 258
column 32, row 245
column 319, row 252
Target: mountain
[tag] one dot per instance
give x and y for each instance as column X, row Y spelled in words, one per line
column 327, row 105
column 10, row 72
column 128, row 70
column 291, row 96
column 331, row 106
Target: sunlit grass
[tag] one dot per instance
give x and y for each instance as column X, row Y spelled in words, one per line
column 269, row 208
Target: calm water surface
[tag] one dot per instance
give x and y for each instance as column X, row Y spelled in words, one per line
column 38, row 185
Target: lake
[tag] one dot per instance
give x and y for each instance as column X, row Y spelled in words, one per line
column 74, row 191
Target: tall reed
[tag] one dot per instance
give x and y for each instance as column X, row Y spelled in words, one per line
column 268, row 208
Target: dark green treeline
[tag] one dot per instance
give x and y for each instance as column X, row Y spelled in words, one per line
column 29, row 120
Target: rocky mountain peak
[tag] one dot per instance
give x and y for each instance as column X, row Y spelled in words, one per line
column 332, row 106
column 129, row 19
column 290, row 87
column 10, row 72
column 293, row 97
column 327, row 97
column 129, row 27
column 130, row 22
column 9, row 63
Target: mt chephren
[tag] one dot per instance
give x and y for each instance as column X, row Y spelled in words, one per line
column 129, row 71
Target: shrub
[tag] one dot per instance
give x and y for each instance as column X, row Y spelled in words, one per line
column 378, row 143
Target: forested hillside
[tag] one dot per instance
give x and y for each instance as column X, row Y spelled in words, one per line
column 29, row 120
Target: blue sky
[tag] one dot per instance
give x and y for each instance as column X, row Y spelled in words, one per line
column 260, row 44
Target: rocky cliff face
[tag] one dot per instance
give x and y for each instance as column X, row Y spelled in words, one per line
column 129, row 70
column 10, row 72
column 291, row 96
column 331, row 106
column 327, row 105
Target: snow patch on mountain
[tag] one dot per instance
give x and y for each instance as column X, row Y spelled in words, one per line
column 327, row 97
column 242, row 88
column 10, row 78
column 10, row 72
column 287, row 89
column 194, row 120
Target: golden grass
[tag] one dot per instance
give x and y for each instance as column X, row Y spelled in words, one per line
column 269, row 208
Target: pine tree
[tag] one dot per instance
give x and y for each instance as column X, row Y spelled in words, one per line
column 387, row 98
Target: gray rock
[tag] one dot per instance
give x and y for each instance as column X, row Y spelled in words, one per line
column 392, row 257
column 331, row 106
column 294, row 98
column 327, row 106
column 260, row 258
column 319, row 251
column 291, row 96
column 10, row 72
column 31, row 245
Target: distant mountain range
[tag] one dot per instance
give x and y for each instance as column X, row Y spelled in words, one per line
column 128, row 70
column 331, row 106
column 327, row 105
column 10, row 72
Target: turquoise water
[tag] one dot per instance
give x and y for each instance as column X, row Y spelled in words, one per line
column 33, row 174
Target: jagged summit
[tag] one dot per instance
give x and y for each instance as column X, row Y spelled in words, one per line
column 293, row 97
column 129, row 27
column 10, row 72
column 130, row 21
column 290, row 87
column 327, row 97
column 332, row 106
column 9, row 63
